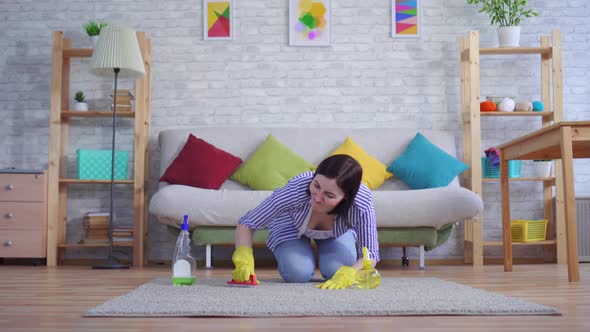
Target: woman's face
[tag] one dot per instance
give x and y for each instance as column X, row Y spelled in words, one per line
column 325, row 194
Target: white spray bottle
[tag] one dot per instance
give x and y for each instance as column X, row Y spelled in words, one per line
column 183, row 264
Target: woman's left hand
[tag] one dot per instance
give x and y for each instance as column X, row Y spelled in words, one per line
column 345, row 277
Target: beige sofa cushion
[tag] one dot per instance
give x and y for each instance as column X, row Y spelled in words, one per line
column 395, row 208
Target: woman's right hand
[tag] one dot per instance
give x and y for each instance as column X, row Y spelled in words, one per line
column 243, row 259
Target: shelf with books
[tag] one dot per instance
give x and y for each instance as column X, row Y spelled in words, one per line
column 60, row 120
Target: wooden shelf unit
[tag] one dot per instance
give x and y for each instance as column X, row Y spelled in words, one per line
column 516, row 113
column 58, row 183
column 515, row 50
column 548, row 179
column 500, row 243
column 96, row 114
column 95, row 245
column 78, row 181
column 549, row 51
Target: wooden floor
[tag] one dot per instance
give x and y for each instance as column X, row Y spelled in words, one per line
column 53, row 299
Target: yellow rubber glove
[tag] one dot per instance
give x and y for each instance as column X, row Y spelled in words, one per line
column 243, row 259
column 343, row 278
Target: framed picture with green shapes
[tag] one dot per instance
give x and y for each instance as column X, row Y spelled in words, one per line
column 218, row 19
column 310, row 23
column 406, row 18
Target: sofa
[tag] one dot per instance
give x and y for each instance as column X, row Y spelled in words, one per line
column 406, row 217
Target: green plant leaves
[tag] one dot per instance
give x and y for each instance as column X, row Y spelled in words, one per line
column 93, row 28
column 79, row 96
column 504, row 12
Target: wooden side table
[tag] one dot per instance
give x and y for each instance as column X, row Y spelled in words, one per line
column 562, row 140
column 23, row 213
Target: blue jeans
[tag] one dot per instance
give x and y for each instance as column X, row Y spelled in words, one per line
column 297, row 263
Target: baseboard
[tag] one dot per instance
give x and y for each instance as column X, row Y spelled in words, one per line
column 460, row 261
column 271, row 263
column 91, row 261
column 383, row 263
column 23, row 261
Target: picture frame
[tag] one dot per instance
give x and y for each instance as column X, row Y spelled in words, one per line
column 310, row 23
column 406, row 18
column 218, row 19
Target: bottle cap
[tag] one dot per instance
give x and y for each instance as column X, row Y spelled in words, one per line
column 366, row 260
column 184, row 226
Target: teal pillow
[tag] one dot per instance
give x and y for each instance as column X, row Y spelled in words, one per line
column 271, row 166
column 424, row 165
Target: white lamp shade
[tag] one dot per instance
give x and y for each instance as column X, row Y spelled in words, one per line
column 117, row 47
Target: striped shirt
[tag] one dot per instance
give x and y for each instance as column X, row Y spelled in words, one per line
column 285, row 210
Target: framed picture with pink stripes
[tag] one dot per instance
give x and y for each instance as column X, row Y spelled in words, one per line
column 218, row 19
column 406, row 17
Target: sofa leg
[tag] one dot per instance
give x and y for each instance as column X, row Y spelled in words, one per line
column 208, row 257
column 405, row 260
column 422, row 267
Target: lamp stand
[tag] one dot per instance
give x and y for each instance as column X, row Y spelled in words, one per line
column 111, row 263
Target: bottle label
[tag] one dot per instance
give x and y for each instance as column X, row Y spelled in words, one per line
column 181, row 269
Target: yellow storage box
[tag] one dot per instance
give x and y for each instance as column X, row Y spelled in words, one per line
column 528, row 230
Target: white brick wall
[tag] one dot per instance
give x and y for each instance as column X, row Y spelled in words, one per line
column 365, row 79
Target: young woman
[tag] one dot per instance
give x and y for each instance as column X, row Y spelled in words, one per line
column 330, row 206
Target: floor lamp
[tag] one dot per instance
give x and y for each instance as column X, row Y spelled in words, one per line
column 116, row 53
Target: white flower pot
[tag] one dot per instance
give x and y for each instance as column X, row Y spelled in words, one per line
column 80, row 106
column 541, row 169
column 94, row 40
column 509, row 36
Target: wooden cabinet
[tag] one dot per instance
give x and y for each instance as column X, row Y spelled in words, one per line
column 551, row 87
column 59, row 123
column 23, row 214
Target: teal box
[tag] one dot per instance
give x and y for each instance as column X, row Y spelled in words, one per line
column 490, row 171
column 96, row 164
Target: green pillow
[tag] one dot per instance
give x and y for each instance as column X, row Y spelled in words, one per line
column 271, row 166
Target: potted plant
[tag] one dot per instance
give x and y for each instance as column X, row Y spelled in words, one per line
column 93, row 30
column 507, row 14
column 541, row 168
column 80, row 104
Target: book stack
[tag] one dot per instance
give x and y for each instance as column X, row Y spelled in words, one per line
column 96, row 228
column 124, row 99
column 122, row 234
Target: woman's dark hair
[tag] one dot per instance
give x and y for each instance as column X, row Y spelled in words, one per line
column 348, row 174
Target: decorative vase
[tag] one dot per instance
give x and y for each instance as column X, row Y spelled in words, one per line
column 541, row 169
column 509, row 36
column 80, row 106
column 94, row 40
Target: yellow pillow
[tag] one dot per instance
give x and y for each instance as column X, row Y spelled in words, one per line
column 374, row 171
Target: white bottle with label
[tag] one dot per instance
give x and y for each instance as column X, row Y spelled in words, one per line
column 183, row 264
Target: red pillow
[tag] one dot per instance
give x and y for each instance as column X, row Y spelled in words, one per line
column 200, row 164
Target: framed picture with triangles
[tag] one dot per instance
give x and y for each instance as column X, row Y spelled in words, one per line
column 218, row 19
column 406, row 17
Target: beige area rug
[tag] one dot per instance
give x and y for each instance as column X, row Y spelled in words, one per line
column 274, row 298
